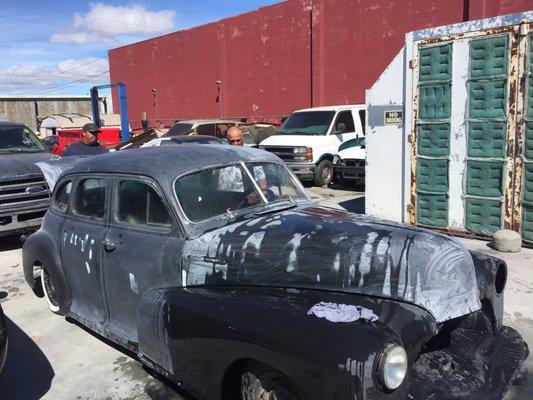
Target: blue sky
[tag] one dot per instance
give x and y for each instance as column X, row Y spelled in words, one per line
column 60, row 47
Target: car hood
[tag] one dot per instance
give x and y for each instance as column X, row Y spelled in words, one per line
column 294, row 140
column 357, row 153
column 321, row 248
column 21, row 163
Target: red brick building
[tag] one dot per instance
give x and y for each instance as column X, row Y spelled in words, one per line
column 269, row 62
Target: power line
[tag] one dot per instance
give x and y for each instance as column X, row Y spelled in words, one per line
column 73, row 28
column 88, row 78
column 68, row 70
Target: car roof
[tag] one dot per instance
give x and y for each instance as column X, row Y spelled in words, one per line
column 167, row 162
column 206, row 121
column 191, row 138
column 8, row 123
column 334, row 108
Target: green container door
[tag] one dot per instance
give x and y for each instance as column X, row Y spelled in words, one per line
column 433, row 135
column 487, row 134
column 527, row 189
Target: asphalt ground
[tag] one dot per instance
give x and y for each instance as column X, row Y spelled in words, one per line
column 50, row 357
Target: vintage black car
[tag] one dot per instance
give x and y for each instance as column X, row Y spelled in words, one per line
column 211, row 263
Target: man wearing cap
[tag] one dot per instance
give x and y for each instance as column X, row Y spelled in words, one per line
column 88, row 145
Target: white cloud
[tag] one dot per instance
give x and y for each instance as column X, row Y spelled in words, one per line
column 105, row 23
column 27, row 77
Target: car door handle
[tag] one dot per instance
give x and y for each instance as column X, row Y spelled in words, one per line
column 109, row 245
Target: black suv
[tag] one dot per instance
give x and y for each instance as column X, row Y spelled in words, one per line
column 24, row 195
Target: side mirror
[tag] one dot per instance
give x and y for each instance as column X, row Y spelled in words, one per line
column 341, row 128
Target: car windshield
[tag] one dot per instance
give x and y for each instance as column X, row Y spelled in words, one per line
column 307, row 123
column 224, row 190
column 17, row 139
column 181, row 128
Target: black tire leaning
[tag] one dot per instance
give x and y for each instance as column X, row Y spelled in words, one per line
column 262, row 383
column 323, row 173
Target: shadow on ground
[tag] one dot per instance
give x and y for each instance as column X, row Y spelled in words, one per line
column 10, row 243
column 157, row 387
column 27, row 373
column 354, row 205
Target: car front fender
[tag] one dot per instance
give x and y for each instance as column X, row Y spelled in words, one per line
column 197, row 334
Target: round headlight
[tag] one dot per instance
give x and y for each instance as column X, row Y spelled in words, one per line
column 392, row 366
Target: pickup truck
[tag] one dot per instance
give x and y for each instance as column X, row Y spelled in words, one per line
column 24, row 194
column 309, row 139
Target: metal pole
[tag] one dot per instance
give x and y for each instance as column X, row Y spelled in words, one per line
column 124, row 120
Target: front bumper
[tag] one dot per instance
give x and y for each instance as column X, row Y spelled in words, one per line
column 21, row 221
column 476, row 365
column 350, row 170
column 303, row 170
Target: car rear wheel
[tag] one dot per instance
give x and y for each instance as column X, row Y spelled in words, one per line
column 323, row 173
column 260, row 383
column 49, row 292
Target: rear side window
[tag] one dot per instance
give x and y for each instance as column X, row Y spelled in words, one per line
column 62, row 197
column 345, row 117
column 363, row 121
column 139, row 204
column 90, row 199
column 206, row 129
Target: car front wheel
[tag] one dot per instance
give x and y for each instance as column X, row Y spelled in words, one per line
column 49, row 292
column 323, row 173
column 260, row 383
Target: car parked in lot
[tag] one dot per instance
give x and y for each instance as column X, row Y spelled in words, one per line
column 209, row 127
column 3, row 340
column 349, row 162
column 221, row 274
column 24, row 195
column 309, row 139
column 175, row 140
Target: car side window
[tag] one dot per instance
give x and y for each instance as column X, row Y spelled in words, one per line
column 62, row 197
column 206, row 129
column 139, row 204
column 221, row 130
column 363, row 121
column 90, row 198
column 344, row 117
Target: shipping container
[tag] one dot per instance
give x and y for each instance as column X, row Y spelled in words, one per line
column 450, row 129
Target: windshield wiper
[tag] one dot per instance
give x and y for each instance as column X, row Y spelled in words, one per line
column 282, row 207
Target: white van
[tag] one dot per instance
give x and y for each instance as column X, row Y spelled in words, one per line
column 309, row 139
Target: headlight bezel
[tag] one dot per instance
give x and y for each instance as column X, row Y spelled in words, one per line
column 380, row 363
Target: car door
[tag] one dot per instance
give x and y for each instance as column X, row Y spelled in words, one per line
column 81, row 248
column 141, row 251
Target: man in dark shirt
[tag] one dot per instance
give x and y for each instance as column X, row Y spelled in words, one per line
column 88, row 145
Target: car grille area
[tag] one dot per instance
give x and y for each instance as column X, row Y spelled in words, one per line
column 286, row 153
column 24, row 200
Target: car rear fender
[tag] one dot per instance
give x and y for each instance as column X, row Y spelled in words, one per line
column 39, row 250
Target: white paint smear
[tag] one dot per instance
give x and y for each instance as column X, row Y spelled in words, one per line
column 341, row 312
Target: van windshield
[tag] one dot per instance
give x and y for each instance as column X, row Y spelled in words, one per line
column 307, row 123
